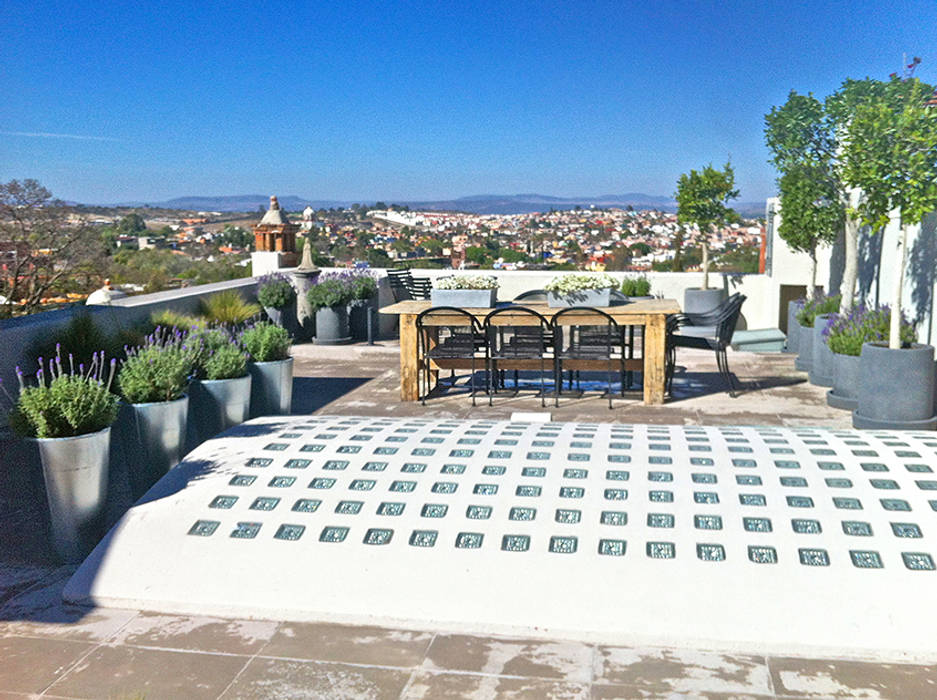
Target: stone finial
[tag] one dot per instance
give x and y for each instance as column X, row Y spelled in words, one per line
column 274, row 204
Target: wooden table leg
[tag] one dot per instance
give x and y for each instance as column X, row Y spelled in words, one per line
column 409, row 387
column 654, row 359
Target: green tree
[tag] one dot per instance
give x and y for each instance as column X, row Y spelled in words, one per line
column 131, row 225
column 236, row 237
column 702, row 199
column 896, row 133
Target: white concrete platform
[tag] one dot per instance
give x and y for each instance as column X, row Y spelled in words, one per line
column 756, row 539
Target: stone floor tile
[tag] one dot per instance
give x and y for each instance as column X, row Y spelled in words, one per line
column 275, row 679
column 348, row 644
column 428, row 686
column 629, row 692
column 18, row 696
column 658, row 671
column 569, row 661
column 121, row 671
column 30, row 665
column 209, row 634
column 815, row 678
column 41, row 612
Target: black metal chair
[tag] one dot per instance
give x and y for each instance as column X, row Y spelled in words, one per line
column 711, row 330
column 405, row 286
column 585, row 333
column 515, row 336
column 532, row 296
column 448, row 333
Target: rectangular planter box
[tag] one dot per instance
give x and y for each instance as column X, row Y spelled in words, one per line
column 464, row 298
column 585, row 297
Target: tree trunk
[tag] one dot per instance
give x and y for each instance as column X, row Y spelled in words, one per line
column 705, row 249
column 894, row 330
column 847, row 287
column 812, row 287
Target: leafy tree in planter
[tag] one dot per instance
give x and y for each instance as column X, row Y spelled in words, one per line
column 802, row 140
column 702, row 199
column 896, row 132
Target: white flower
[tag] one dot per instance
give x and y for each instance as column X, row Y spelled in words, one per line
column 577, row 283
column 466, row 282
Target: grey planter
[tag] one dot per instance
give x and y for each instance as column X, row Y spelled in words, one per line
column 152, row 436
column 821, row 357
column 271, row 387
column 584, row 297
column 792, row 332
column 285, row 317
column 696, row 301
column 219, row 404
column 332, row 326
column 464, row 298
column 845, row 382
column 804, row 347
column 358, row 319
column 75, row 471
column 896, row 388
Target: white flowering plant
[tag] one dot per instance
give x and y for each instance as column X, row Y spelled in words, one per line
column 467, row 282
column 567, row 284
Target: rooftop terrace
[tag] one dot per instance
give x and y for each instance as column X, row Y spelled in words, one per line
column 64, row 650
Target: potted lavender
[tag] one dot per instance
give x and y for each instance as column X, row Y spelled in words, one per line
column 151, row 426
column 221, row 395
column 278, row 297
column 465, row 291
column 329, row 298
column 68, row 414
column 271, row 369
column 363, row 297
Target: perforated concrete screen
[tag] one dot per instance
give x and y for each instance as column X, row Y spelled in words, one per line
column 772, row 537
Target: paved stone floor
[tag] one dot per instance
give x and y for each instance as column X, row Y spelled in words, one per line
column 49, row 649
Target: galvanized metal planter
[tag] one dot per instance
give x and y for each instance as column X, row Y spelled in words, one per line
column 793, row 335
column 804, row 347
column 821, row 357
column 271, row 387
column 332, row 326
column 285, row 317
column 464, row 298
column 896, row 388
column 75, row 471
column 845, row 382
column 584, row 297
column 152, row 436
column 358, row 318
column 219, row 404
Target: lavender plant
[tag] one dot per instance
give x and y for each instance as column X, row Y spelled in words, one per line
column 217, row 354
column 65, row 401
column 275, row 291
column 846, row 333
column 820, row 304
column 331, row 290
column 266, row 342
column 158, row 370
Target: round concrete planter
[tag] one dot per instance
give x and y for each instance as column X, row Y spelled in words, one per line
column 804, row 347
column 152, row 436
column 583, row 297
column 332, row 326
column 271, row 387
column 285, row 317
column 75, row 471
column 845, row 382
column 219, row 404
column 793, row 335
column 697, row 301
column 358, row 318
column 821, row 357
column 896, row 388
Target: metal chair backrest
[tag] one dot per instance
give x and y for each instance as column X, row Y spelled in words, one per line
column 532, row 295
column 451, row 325
column 588, row 328
column 400, row 284
column 420, row 287
column 728, row 318
column 516, row 331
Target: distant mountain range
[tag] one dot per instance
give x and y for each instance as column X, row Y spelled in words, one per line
column 476, row 204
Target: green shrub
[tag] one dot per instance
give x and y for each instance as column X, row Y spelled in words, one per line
column 160, row 370
column 266, row 342
column 636, row 286
column 227, row 362
column 203, row 342
column 820, row 304
column 328, row 292
column 66, row 401
column 81, row 338
column 846, row 333
column 363, row 286
column 275, row 291
column 173, row 319
column 229, row 307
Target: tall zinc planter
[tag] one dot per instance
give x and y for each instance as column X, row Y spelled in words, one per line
column 152, row 436
column 804, row 347
column 75, row 471
column 219, row 404
column 845, row 382
column 358, row 318
column 271, row 387
column 821, row 364
column 284, row 317
column 793, row 332
column 896, row 388
column 332, row 326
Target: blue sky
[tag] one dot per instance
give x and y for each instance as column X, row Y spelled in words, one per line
column 107, row 102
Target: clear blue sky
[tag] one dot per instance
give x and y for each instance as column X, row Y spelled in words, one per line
column 108, row 102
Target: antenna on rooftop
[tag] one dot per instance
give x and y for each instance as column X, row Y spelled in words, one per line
column 907, row 70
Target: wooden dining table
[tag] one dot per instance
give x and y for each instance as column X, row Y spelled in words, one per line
column 649, row 314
